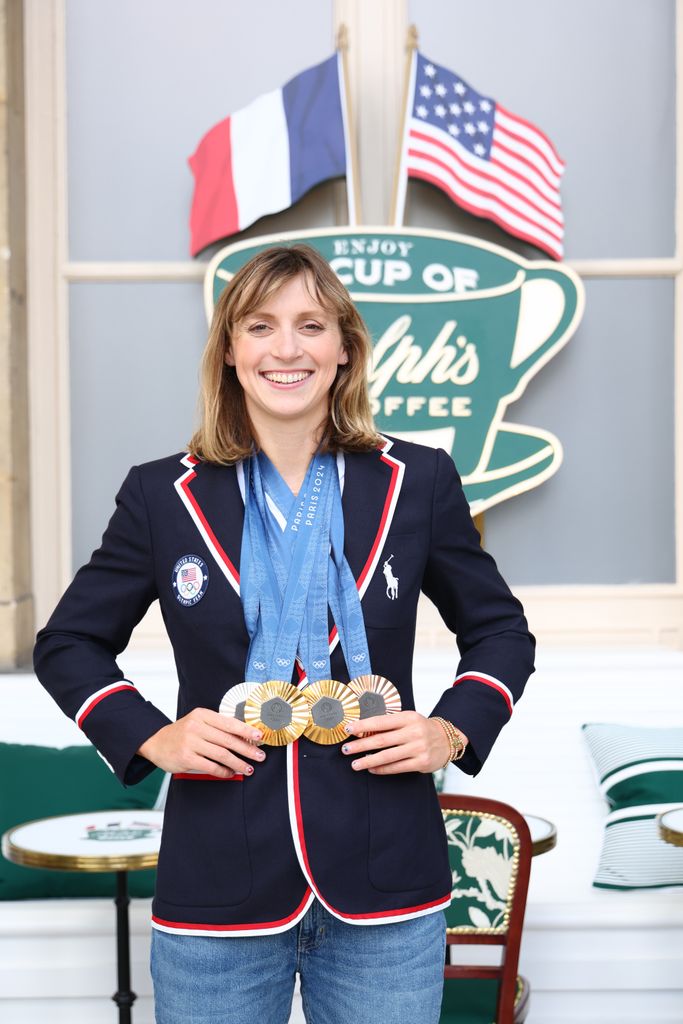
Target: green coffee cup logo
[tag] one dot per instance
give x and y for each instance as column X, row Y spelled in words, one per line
column 459, row 329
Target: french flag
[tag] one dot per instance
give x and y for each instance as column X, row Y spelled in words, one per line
column 265, row 157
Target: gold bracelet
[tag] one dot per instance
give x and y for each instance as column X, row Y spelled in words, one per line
column 455, row 740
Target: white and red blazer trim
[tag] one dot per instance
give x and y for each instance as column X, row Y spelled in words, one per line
column 182, row 486
column 482, row 677
column 94, row 699
column 258, row 928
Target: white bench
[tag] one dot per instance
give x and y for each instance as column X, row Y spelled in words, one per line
column 591, row 956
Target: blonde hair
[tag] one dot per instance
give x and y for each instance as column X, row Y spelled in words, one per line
column 225, row 433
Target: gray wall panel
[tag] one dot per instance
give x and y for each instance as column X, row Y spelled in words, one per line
column 599, row 79
column 607, row 516
column 145, row 81
column 135, row 352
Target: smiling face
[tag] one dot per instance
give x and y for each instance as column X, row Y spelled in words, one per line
column 286, row 355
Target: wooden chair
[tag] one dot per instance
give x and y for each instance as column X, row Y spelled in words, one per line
column 489, row 848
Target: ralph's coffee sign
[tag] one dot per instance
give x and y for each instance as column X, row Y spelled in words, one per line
column 459, row 329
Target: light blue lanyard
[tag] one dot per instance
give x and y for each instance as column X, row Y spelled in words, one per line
column 283, row 577
column 287, row 577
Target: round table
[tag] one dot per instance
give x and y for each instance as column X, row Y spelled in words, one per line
column 670, row 825
column 543, row 834
column 119, row 841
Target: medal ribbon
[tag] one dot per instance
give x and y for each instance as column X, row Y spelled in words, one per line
column 284, row 573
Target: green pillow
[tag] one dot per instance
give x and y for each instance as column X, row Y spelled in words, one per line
column 40, row 782
column 640, row 773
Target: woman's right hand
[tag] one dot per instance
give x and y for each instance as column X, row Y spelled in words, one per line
column 204, row 741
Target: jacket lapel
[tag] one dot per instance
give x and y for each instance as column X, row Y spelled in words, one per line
column 212, row 498
column 372, row 483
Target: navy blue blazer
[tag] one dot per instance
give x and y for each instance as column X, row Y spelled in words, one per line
column 248, row 855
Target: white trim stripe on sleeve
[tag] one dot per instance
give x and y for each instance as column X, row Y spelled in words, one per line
column 95, row 698
column 482, row 677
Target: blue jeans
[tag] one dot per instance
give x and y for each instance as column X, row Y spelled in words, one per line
column 368, row 974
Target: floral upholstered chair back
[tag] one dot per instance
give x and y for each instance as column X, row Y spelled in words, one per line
column 484, row 851
column 489, row 848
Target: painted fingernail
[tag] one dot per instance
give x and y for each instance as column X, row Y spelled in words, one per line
column 259, row 755
column 345, row 748
column 249, row 770
column 355, row 764
column 257, row 735
column 347, row 727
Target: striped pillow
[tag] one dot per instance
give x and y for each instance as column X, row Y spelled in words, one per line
column 640, row 773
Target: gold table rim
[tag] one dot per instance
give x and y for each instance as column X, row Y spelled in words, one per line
column 546, row 843
column 669, row 835
column 74, row 862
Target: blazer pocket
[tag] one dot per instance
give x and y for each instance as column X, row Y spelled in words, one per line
column 204, row 858
column 390, row 601
column 407, row 843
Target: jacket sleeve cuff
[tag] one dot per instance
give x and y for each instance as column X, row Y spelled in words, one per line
column 118, row 726
column 478, row 710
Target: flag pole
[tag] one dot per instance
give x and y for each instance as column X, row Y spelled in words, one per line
column 355, row 210
column 399, row 195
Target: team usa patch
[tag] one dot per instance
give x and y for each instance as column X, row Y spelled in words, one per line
column 190, row 578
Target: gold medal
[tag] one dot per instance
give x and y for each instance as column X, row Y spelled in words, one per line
column 376, row 696
column 331, row 705
column 278, row 710
column 234, row 700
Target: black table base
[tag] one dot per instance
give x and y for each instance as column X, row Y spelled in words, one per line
column 123, row 997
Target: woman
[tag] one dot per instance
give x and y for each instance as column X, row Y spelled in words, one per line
column 274, row 854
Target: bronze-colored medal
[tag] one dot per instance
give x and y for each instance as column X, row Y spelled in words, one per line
column 331, row 705
column 278, row 710
column 234, row 700
column 376, row 695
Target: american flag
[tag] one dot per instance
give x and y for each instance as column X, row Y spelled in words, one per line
column 188, row 575
column 491, row 162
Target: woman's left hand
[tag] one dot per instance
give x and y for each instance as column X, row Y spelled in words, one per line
column 403, row 742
